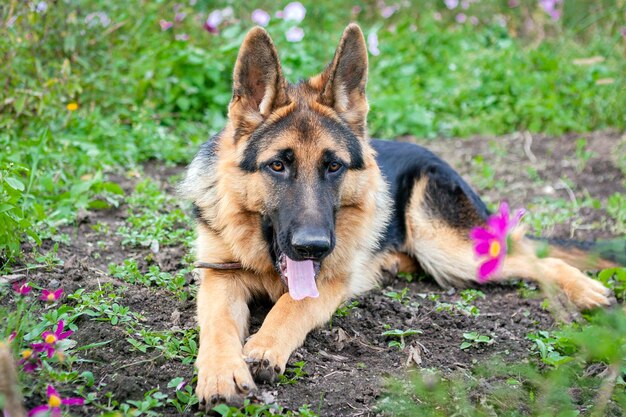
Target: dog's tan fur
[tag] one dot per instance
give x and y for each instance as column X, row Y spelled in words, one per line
column 230, row 204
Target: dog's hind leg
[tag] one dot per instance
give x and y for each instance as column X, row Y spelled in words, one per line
column 444, row 249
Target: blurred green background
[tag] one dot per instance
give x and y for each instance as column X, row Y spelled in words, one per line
column 90, row 87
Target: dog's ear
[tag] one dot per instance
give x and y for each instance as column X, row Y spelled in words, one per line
column 258, row 83
column 345, row 78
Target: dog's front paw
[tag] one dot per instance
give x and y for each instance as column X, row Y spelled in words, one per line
column 265, row 361
column 582, row 291
column 222, row 380
column 588, row 293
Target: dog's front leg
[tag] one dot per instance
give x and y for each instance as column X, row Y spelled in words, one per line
column 286, row 327
column 223, row 375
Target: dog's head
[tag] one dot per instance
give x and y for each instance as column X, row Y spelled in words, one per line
column 303, row 149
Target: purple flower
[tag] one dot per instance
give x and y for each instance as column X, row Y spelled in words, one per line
column 12, row 337
column 22, row 288
column 356, row 9
column 451, row 4
column 51, row 296
column 474, row 20
column 372, row 44
column 260, row 17
column 490, row 242
column 388, row 11
column 465, row 5
column 294, row 11
column 213, row 21
column 54, row 403
column 513, row 3
column 30, row 360
column 165, row 25
column 50, row 339
column 294, row 34
column 461, row 18
column 181, row 386
column 181, row 37
column 551, row 8
column 92, row 19
column 179, row 17
column 41, row 7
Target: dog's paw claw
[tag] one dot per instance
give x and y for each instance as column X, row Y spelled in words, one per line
column 264, row 364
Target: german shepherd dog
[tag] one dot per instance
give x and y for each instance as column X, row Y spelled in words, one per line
column 294, row 202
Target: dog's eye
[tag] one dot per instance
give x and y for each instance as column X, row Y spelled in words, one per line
column 277, row 166
column 334, row 166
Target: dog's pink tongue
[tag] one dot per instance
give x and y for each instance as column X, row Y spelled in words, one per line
column 301, row 279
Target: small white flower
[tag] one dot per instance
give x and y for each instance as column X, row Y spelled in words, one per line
column 372, row 44
column 294, row 34
column 260, row 17
column 294, row 11
column 451, row 4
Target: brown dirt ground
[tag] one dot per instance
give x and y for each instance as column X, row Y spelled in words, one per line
column 346, row 363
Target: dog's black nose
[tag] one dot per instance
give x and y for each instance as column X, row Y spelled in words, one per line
column 311, row 243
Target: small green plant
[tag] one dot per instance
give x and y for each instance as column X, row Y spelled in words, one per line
column 616, row 208
column 463, row 305
column 400, row 334
column 152, row 399
column 129, row 272
column 104, row 305
column 402, row 296
column 582, row 154
column 261, row 410
column 293, row 373
column 615, row 279
column 550, row 347
column 473, row 339
column 185, row 397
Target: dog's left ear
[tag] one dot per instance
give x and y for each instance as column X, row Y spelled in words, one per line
column 258, row 83
column 345, row 78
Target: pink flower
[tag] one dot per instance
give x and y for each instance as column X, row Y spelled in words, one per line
column 260, row 17
column 30, row 359
column 165, row 25
column 490, row 242
column 474, row 20
column 372, row 44
column 294, row 11
column 12, row 337
column 451, row 4
column 179, row 17
column 551, row 8
column 50, row 339
column 294, row 34
column 51, row 296
column 22, row 288
column 213, row 21
column 54, row 403
column 461, row 18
